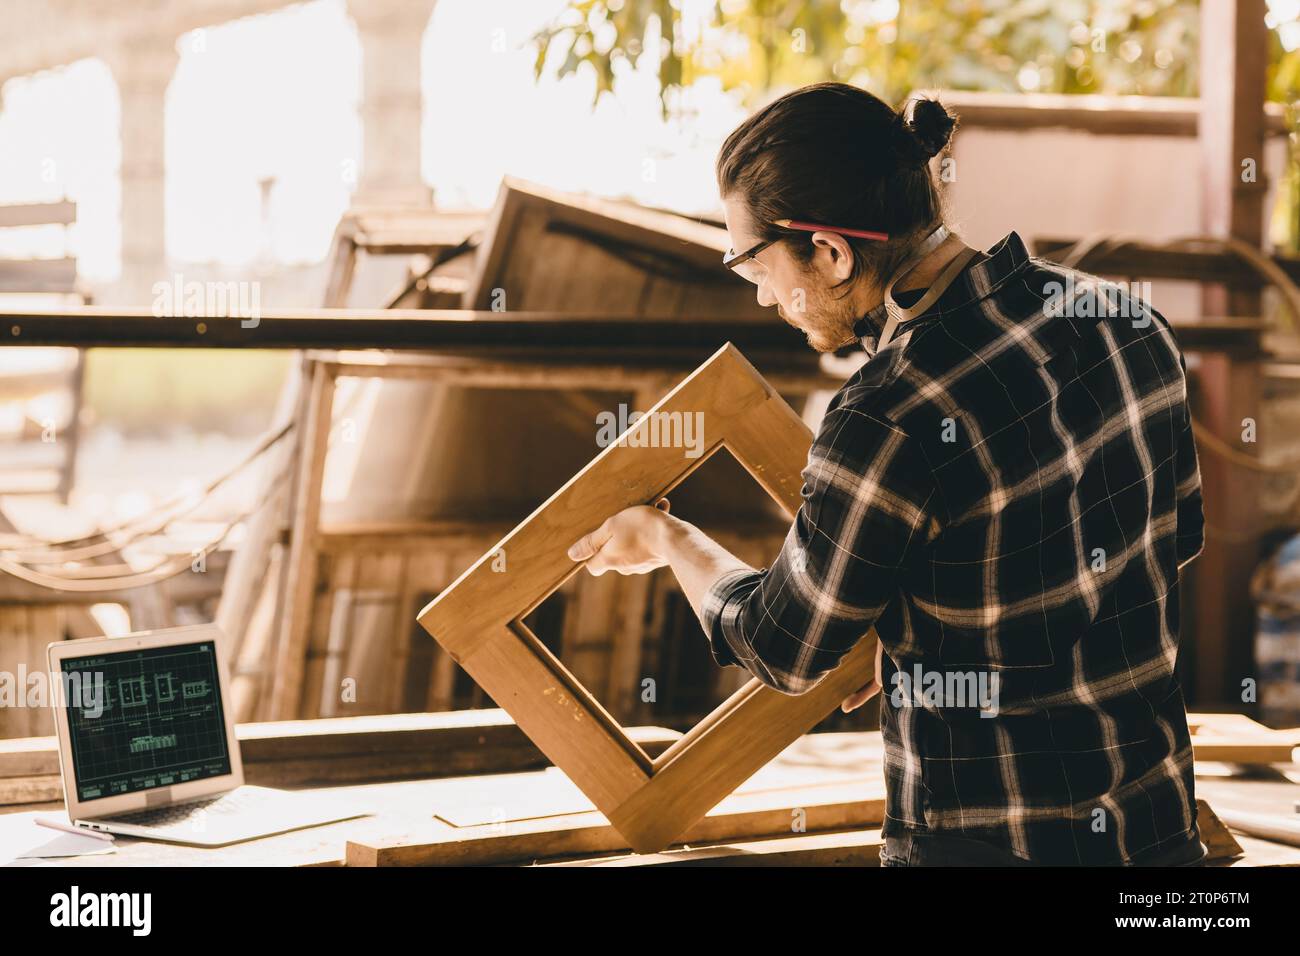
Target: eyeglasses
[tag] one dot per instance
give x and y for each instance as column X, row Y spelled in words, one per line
column 747, row 267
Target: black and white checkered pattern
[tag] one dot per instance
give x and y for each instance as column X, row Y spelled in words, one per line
column 1008, row 489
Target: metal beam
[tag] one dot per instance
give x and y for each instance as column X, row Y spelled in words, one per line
column 635, row 338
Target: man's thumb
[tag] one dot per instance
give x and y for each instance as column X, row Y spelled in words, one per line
column 589, row 544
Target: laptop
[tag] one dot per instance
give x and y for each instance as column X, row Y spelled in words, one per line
column 147, row 743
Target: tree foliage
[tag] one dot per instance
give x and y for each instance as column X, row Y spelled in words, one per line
column 886, row 46
column 890, row 47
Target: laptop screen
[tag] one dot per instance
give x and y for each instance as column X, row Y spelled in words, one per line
column 145, row 718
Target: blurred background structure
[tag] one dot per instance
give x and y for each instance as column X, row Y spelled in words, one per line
column 414, row 154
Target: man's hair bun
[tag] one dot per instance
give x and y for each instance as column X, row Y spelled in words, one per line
column 922, row 136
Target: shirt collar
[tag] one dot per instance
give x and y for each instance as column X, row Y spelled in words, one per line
column 985, row 273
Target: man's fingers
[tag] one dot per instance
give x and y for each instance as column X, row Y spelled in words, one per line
column 860, row 697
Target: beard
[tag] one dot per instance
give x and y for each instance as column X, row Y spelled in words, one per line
column 827, row 322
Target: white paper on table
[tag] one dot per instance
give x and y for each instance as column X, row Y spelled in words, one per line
column 21, row 838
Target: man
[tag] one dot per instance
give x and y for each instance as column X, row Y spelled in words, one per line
column 1005, row 490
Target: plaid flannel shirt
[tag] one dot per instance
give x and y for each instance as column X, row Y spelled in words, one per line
column 1005, row 493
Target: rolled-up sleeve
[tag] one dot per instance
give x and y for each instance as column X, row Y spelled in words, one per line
column 726, row 598
column 865, row 507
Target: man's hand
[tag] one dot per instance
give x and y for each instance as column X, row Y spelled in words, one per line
column 860, row 697
column 635, row 541
column 631, row 542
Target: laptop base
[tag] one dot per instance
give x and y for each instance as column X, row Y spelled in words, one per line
column 245, row 813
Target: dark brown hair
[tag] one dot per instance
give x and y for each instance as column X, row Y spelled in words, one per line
column 832, row 153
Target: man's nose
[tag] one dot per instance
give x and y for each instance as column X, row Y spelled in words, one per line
column 765, row 297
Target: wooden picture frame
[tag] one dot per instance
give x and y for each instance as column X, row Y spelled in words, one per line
column 477, row 619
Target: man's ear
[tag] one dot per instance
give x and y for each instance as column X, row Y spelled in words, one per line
column 838, row 254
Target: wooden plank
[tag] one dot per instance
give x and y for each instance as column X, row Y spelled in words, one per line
column 45, row 625
column 28, row 756
column 1235, row 738
column 330, row 609
column 370, row 657
column 343, row 263
column 1207, row 748
column 845, row 848
column 72, row 431
column 528, row 277
column 13, row 649
column 849, row 848
column 1229, row 395
column 251, row 586
column 1261, row 853
column 505, row 751
column 409, row 229
column 401, row 638
column 797, row 372
column 740, row 816
column 38, row 788
column 286, row 697
column 1234, row 44
column 25, row 631
column 1266, row 826
column 1093, row 113
column 1226, row 724
column 1155, row 260
column 427, row 574
column 38, row 276
column 423, row 540
column 255, row 650
column 37, row 214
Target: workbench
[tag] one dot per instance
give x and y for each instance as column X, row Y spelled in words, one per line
column 823, row 798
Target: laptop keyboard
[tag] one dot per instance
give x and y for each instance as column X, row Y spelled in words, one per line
column 161, row 816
